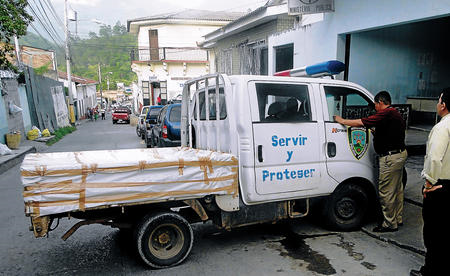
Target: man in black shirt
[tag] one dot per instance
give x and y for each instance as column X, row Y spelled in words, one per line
column 389, row 144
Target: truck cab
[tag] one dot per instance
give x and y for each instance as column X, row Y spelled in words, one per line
column 287, row 143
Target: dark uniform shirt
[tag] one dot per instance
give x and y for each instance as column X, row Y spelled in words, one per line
column 389, row 130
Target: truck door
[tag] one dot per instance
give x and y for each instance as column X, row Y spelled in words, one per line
column 349, row 150
column 286, row 139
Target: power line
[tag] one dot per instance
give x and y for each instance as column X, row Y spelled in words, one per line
column 55, row 14
column 44, row 26
column 38, row 33
column 48, row 19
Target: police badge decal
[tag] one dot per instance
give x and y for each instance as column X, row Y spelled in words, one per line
column 358, row 140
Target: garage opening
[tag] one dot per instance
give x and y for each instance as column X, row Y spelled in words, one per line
column 410, row 61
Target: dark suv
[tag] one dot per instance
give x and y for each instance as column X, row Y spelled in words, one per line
column 166, row 132
column 150, row 121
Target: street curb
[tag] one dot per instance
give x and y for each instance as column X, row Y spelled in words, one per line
column 15, row 159
column 392, row 241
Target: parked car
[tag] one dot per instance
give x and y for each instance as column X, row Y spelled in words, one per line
column 140, row 127
column 166, row 132
column 121, row 114
column 150, row 121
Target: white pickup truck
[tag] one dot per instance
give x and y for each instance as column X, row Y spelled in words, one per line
column 286, row 152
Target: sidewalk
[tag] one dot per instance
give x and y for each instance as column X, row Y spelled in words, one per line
column 409, row 236
column 26, row 146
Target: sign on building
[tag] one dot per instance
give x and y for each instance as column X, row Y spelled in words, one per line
column 296, row 7
column 59, row 104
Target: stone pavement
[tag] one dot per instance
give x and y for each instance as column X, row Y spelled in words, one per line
column 409, row 236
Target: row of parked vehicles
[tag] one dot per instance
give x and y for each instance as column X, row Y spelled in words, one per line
column 159, row 125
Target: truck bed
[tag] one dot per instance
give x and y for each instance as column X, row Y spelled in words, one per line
column 63, row 182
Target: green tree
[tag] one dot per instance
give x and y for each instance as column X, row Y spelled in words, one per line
column 105, row 31
column 13, row 22
column 119, row 29
column 111, row 49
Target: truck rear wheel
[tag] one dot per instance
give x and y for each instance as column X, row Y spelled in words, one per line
column 164, row 239
column 346, row 208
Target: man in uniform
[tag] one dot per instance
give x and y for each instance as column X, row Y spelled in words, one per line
column 436, row 200
column 389, row 144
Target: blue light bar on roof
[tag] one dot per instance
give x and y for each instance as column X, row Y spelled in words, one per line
column 331, row 67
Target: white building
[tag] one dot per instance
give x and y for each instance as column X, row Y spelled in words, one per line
column 84, row 91
column 386, row 45
column 168, row 54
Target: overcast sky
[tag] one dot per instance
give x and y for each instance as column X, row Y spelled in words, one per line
column 111, row 11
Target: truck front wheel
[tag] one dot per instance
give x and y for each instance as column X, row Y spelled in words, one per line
column 164, row 239
column 346, row 208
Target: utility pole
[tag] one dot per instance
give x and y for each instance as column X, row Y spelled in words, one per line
column 69, row 74
column 100, row 86
column 16, row 45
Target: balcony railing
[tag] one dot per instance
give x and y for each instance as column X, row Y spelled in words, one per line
column 169, row 53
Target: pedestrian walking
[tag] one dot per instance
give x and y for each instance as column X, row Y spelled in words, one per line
column 91, row 114
column 389, row 144
column 436, row 204
column 103, row 114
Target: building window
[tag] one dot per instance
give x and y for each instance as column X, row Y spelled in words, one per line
column 284, row 57
column 253, row 58
column 146, row 92
column 225, row 61
column 153, row 44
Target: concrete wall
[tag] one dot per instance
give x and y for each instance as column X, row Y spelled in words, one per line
column 3, row 118
column 42, row 91
column 14, row 122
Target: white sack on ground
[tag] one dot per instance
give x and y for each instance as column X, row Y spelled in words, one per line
column 72, row 181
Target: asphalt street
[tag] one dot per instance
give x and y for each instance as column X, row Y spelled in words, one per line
column 296, row 247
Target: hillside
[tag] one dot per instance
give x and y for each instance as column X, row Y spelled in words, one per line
column 110, row 48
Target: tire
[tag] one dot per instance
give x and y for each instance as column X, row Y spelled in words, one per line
column 138, row 132
column 163, row 239
column 114, row 122
column 346, row 208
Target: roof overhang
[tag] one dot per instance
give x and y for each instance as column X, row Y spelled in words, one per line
column 257, row 17
column 134, row 25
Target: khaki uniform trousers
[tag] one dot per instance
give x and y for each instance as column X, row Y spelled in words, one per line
column 390, row 188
